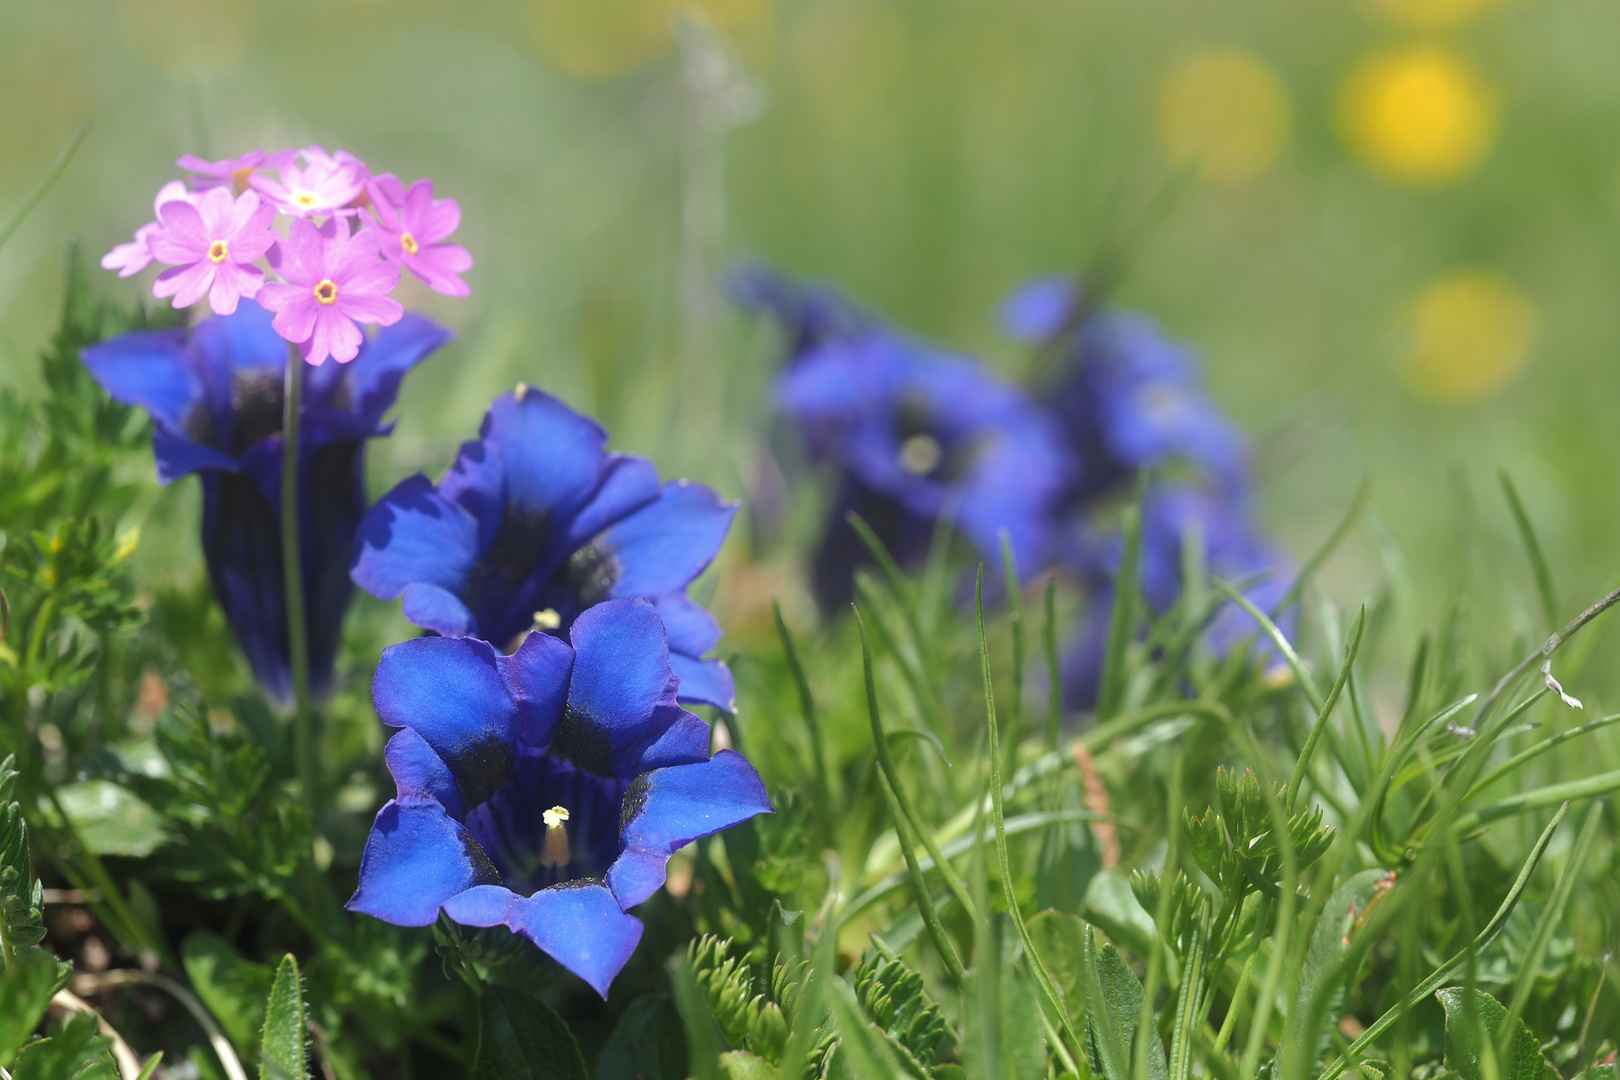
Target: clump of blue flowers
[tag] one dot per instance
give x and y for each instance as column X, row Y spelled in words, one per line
column 546, row 790
column 215, row 395
column 536, row 522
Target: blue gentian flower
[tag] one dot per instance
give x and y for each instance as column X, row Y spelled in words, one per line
column 922, row 435
column 546, row 790
column 215, row 396
column 1233, row 549
column 809, row 315
column 1128, row 397
column 536, row 522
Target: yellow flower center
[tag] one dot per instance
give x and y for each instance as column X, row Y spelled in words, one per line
column 920, row 455
column 408, row 242
column 239, row 179
column 547, row 619
column 326, row 292
column 305, row 199
column 217, row 251
column 556, row 853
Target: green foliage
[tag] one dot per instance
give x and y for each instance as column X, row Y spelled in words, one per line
column 755, row 1020
column 25, row 992
column 235, row 990
column 896, row 1000
column 22, row 915
column 521, row 1038
column 72, row 1051
column 283, row 1046
column 1475, row 1022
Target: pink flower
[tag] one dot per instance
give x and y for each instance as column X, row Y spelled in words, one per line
column 411, row 224
column 332, row 281
column 211, row 244
column 323, row 184
column 233, row 171
column 133, row 257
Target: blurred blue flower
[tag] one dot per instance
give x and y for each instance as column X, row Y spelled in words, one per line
column 215, row 397
column 1128, row 397
column 546, row 790
column 1232, row 549
column 809, row 315
column 919, row 436
column 536, row 522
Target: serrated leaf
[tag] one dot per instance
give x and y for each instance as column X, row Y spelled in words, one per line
column 25, row 991
column 520, row 1038
column 1113, row 1006
column 1475, row 1019
column 282, row 1049
column 72, row 1051
column 647, row 1043
column 235, row 990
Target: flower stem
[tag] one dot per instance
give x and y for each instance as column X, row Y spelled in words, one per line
column 292, row 574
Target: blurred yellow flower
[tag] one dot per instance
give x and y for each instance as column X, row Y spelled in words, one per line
column 1470, row 334
column 1432, row 14
column 598, row 39
column 1224, row 111
column 1418, row 115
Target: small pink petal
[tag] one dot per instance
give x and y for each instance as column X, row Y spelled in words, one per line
column 382, row 310
column 296, row 321
column 187, row 284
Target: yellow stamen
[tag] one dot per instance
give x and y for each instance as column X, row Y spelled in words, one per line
column 556, row 853
column 305, row 198
column 217, row 252
column 408, row 242
column 547, row 619
column 326, row 292
column 239, row 179
column 920, row 455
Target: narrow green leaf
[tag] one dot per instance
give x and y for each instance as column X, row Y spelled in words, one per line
column 1061, row 937
column 703, row 1044
column 1532, row 548
column 1336, row 537
column 1474, row 1021
column 1122, row 620
column 1114, row 1001
column 647, row 1042
column 1321, row 989
column 151, row 1066
column 38, row 191
column 812, row 724
column 1325, row 712
column 734, row 1065
column 520, row 1038
column 283, row 1053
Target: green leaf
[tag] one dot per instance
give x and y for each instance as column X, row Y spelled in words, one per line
column 25, row 991
column 1330, row 941
column 22, row 916
column 235, row 990
column 1061, row 939
column 1473, row 1021
column 110, row 820
column 1114, row 1002
column 647, row 1043
column 282, row 1054
column 520, row 1038
column 741, row 1065
column 73, row 1050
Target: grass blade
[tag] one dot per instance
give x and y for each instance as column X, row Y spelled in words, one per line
column 1325, row 712
column 1538, row 561
column 812, row 723
column 31, row 200
column 1335, row 538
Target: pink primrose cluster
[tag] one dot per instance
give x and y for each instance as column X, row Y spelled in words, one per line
column 348, row 235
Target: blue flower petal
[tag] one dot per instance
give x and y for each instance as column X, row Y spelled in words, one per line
column 553, row 455
column 536, row 676
column 416, row 858
column 420, row 773
column 1037, row 310
column 177, row 456
column 374, row 376
column 437, row 609
column 413, row 534
column 151, row 370
column 450, row 691
column 682, row 739
column 621, row 679
column 578, row 924
column 477, row 484
column 665, row 545
column 688, row 625
column 704, row 682
column 669, row 808
column 629, row 482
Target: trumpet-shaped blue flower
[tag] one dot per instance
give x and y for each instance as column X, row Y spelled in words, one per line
column 808, row 314
column 546, row 790
column 1128, row 397
column 533, row 524
column 215, row 397
column 1231, row 549
column 920, row 436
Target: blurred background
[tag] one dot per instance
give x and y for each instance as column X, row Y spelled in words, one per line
column 1389, row 227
